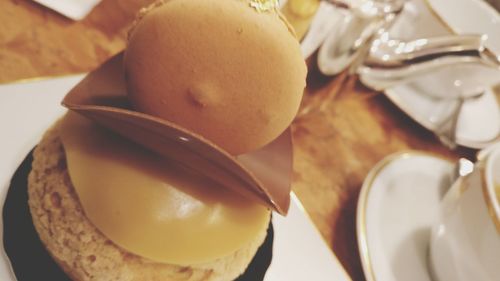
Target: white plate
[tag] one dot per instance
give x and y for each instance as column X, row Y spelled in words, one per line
column 73, row 9
column 398, row 204
column 479, row 120
column 28, row 109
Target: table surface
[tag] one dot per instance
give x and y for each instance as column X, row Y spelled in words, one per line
column 342, row 131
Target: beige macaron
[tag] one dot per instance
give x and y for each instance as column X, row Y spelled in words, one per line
column 220, row 68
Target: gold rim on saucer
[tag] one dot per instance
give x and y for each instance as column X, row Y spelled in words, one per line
column 362, row 205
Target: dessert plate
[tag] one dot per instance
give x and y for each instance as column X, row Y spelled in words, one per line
column 478, row 124
column 398, row 204
column 28, row 109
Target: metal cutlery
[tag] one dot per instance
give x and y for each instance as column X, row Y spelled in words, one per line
column 393, row 62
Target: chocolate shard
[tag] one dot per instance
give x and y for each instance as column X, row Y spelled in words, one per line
column 264, row 175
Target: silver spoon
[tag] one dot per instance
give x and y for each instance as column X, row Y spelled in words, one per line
column 393, row 62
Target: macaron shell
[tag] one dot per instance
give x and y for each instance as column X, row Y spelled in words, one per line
column 218, row 68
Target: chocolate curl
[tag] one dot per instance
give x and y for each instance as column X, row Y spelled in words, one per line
column 264, row 174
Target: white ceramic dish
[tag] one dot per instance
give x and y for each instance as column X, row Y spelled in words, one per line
column 73, row 9
column 28, row 109
column 398, row 205
column 479, row 120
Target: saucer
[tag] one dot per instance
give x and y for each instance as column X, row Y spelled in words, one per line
column 478, row 124
column 398, row 205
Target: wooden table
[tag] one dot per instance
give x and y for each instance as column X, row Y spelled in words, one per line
column 344, row 128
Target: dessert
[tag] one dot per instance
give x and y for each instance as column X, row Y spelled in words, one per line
column 114, row 197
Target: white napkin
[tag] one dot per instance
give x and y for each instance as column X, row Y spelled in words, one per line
column 73, row 9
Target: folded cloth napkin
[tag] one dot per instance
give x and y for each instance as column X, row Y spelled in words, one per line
column 73, row 9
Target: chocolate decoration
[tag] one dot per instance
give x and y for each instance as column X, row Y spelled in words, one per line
column 31, row 261
column 264, row 174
